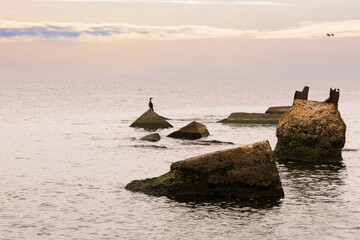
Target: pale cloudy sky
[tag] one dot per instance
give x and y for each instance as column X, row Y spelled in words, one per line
column 275, row 38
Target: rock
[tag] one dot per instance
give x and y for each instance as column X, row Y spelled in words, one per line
column 252, row 118
column 206, row 142
column 350, row 150
column 310, row 131
column 149, row 146
column 242, row 172
column 271, row 116
column 151, row 137
column 192, row 131
column 151, row 120
column 278, row 109
column 215, row 142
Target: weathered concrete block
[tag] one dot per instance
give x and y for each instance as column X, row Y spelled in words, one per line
column 310, row 131
column 243, row 172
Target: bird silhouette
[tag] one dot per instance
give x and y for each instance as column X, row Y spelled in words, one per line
column 151, row 106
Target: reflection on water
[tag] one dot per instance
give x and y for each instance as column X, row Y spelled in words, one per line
column 314, row 182
column 229, row 203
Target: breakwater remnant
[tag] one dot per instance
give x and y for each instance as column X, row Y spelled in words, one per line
column 252, row 118
column 278, row 109
column 271, row 116
column 151, row 120
column 333, row 96
column 192, row 131
column 311, row 131
column 303, row 95
column 245, row 172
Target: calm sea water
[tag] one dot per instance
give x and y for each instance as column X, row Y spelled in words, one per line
column 66, row 153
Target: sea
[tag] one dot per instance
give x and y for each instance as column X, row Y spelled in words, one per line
column 67, row 153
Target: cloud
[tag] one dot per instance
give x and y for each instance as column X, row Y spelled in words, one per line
column 189, row 2
column 20, row 31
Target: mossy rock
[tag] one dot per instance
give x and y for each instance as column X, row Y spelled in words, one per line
column 151, row 120
column 311, row 131
column 192, row 131
column 278, row 110
column 302, row 152
column 245, row 172
column 252, row 118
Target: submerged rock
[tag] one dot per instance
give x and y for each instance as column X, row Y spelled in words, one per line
column 350, row 150
column 151, row 137
column 192, row 131
column 310, row 131
column 252, row 118
column 149, row 146
column 278, row 110
column 215, row 142
column 242, row 172
column 207, row 142
column 151, row 120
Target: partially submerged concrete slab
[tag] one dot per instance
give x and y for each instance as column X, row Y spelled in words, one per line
column 151, row 120
column 278, row 109
column 252, row 118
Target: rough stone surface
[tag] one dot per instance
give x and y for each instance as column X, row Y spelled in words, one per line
column 151, row 120
column 242, row 172
column 252, row 118
column 192, row 131
column 278, row 109
column 310, row 131
column 151, row 137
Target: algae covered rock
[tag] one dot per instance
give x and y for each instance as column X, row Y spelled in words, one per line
column 151, row 120
column 310, row 131
column 278, row 110
column 192, row 131
column 242, row 172
column 151, row 137
column 252, row 118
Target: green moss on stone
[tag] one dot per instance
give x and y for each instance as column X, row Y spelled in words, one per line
column 242, row 172
column 252, row 118
column 299, row 151
column 256, row 121
column 310, row 131
column 278, row 110
column 151, row 125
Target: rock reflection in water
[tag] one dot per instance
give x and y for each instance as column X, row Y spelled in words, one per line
column 229, row 203
column 309, row 182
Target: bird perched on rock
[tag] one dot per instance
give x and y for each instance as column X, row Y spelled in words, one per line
column 151, row 106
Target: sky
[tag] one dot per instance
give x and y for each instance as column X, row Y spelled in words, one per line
column 181, row 38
